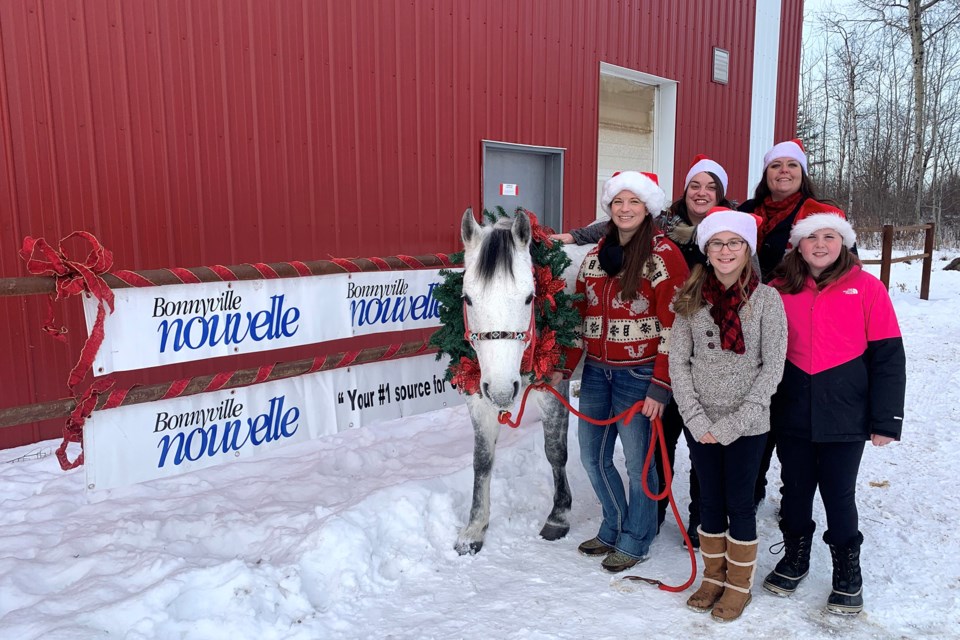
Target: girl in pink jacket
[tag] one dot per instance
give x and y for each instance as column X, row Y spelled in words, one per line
column 843, row 384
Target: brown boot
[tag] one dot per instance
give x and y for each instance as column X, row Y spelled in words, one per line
column 713, row 548
column 741, row 565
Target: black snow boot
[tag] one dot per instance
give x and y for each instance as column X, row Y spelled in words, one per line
column 847, row 596
column 794, row 565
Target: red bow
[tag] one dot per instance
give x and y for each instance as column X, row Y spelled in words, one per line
column 73, row 277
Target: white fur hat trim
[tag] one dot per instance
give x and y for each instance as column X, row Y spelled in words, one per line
column 706, row 164
column 818, row 221
column 643, row 187
column 788, row 149
column 719, row 220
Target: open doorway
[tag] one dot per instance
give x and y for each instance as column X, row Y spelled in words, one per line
column 637, row 126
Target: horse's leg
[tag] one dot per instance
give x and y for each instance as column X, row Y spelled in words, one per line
column 556, row 418
column 485, row 432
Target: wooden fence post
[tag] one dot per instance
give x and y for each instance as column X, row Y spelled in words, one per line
column 885, row 253
column 927, row 262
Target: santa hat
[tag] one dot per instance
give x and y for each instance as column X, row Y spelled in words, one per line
column 645, row 186
column 792, row 149
column 703, row 163
column 811, row 220
column 721, row 219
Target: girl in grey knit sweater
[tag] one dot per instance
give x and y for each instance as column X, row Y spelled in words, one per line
column 727, row 353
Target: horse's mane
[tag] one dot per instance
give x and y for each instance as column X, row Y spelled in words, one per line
column 496, row 252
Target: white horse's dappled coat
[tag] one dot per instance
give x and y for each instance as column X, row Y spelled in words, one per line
column 498, row 288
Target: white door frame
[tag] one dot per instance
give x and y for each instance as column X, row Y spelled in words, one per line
column 664, row 120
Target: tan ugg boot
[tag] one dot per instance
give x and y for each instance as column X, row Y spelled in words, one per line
column 713, row 550
column 741, row 565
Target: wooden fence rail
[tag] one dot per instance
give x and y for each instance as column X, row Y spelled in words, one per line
column 37, row 285
column 886, row 251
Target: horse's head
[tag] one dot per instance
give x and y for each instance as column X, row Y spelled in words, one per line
column 498, row 290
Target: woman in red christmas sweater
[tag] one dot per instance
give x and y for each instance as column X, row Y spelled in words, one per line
column 628, row 282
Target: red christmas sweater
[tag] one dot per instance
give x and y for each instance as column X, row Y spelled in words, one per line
column 630, row 333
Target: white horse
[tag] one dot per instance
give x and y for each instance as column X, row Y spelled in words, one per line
column 498, row 295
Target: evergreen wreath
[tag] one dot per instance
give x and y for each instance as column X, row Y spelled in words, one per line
column 556, row 319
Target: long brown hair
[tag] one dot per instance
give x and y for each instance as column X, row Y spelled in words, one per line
column 690, row 297
column 791, row 274
column 636, row 253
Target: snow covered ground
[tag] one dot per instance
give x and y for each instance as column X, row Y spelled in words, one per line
column 352, row 536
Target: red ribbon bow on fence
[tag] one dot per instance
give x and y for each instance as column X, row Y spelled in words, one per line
column 73, row 277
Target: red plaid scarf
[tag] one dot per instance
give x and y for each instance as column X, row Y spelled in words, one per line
column 726, row 303
column 774, row 212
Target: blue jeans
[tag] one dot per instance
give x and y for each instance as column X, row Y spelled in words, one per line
column 628, row 525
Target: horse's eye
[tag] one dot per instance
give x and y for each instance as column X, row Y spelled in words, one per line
column 529, row 299
column 467, row 299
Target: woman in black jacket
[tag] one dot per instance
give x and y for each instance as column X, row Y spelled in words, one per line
column 785, row 193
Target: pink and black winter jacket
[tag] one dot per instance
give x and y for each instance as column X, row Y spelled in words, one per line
column 845, row 376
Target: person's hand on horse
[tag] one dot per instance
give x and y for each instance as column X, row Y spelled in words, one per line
column 708, row 439
column 565, row 238
column 555, row 378
column 651, row 408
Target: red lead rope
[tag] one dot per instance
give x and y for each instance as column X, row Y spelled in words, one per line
column 657, row 426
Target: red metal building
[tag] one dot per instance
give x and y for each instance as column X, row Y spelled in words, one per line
column 185, row 133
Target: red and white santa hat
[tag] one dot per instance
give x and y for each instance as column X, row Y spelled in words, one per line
column 720, row 219
column 703, row 163
column 644, row 185
column 792, row 149
column 821, row 216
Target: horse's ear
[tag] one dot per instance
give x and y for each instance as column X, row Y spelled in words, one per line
column 521, row 230
column 469, row 229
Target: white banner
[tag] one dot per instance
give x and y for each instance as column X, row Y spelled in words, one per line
column 153, row 326
column 165, row 438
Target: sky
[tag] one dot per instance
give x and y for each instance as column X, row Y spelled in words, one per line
column 351, row 536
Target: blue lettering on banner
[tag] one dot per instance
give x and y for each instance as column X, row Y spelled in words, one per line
column 230, row 435
column 229, row 328
column 391, row 309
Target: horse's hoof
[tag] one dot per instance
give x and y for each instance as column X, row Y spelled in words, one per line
column 553, row 532
column 466, row 547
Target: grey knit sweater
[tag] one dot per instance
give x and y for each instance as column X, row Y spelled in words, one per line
column 722, row 392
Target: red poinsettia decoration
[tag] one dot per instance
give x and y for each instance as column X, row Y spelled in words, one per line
column 466, row 375
column 540, row 233
column 541, row 360
column 547, row 286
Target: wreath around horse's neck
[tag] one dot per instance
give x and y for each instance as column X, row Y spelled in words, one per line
column 556, row 318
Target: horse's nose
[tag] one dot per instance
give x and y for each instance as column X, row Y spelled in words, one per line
column 501, row 395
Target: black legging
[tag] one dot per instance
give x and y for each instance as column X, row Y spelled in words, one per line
column 831, row 467
column 672, row 428
column 760, row 490
column 728, row 473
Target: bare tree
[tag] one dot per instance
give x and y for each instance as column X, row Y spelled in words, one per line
column 922, row 22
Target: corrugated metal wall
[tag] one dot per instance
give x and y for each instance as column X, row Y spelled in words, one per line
column 193, row 132
column 788, row 83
